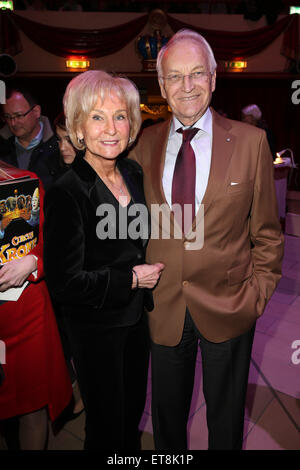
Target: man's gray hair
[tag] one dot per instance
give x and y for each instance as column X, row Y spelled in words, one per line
column 182, row 35
column 253, row 110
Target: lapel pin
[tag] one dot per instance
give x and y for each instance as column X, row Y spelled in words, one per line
column 228, row 139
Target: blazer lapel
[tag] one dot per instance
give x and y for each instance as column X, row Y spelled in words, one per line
column 134, row 183
column 85, row 172
column 222, row 148
column 158, row 155
column 158, row 152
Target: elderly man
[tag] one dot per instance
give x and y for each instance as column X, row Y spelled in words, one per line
column 32, row 144
column 213, row 289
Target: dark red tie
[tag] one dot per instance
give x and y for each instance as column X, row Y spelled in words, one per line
column 184, row 177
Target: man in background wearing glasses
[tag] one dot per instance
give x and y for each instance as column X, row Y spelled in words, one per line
column 221, row 172
column 32, row 145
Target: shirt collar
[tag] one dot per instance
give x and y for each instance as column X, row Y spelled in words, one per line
column 204, row 123
column 35, row 141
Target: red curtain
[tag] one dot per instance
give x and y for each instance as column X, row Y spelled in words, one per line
column 100, row 42
column 229, row 45
column 291, row 41
column 10, row 42
column 67, row 41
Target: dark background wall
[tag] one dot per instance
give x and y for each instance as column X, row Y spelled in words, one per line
column 273, row 94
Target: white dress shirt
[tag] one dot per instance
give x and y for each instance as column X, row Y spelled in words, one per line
column 201, row 144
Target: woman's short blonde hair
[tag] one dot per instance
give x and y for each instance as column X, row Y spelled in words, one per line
column 83, row 92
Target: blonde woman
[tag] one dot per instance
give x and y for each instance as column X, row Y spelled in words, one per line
column 95, row 265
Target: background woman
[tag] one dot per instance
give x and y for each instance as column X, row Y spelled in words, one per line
column 67, row 151
column 94, row 258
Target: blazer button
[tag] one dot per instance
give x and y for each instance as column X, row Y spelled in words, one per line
column 185, row 283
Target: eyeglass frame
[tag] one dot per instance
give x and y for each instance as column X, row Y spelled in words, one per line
column 203, row 75
column 8, row 117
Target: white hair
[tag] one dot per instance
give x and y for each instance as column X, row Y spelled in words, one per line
column 182, row 35
column 252, row 110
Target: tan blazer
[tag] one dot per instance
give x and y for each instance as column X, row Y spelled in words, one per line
column 227, row 282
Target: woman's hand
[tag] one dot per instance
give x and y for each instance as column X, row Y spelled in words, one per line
column 148, row 275
column 15, row 273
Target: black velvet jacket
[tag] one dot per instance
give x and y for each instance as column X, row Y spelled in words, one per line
column 89, row 276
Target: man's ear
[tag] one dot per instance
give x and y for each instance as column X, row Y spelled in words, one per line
column 213, row 81
column 37, row 111
column 162, row 88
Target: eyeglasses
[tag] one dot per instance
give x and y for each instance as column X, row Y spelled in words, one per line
column 17, row 116
column 195, row 76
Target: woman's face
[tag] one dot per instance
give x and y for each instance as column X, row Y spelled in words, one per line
column 35, row 203
column 66, row 149
column 106, row 129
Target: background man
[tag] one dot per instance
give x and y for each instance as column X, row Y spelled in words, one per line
column 253, row 115
column 32, row 145
column 213, row 294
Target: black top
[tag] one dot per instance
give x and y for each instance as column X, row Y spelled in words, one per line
column 85, row 271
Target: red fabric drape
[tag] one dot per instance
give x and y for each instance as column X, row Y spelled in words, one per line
column 68, row 41
column 291, row 41
column 229, row 45
column 100, row 42
column 10, row 42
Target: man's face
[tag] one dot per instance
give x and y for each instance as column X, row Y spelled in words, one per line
column 190, row 96
column 27, row 127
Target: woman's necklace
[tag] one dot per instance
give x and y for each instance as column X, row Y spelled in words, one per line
column 103, row 177
column 119, row 188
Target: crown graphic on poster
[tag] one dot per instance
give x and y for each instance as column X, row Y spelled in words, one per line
column 17, row 206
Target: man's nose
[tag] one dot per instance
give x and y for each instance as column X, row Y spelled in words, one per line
column 13, row 119
column 187, row 83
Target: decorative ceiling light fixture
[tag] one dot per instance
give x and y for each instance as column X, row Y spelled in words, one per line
column 237, row 65
column 77, row 63
column 294, row 10
column 9, row 5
